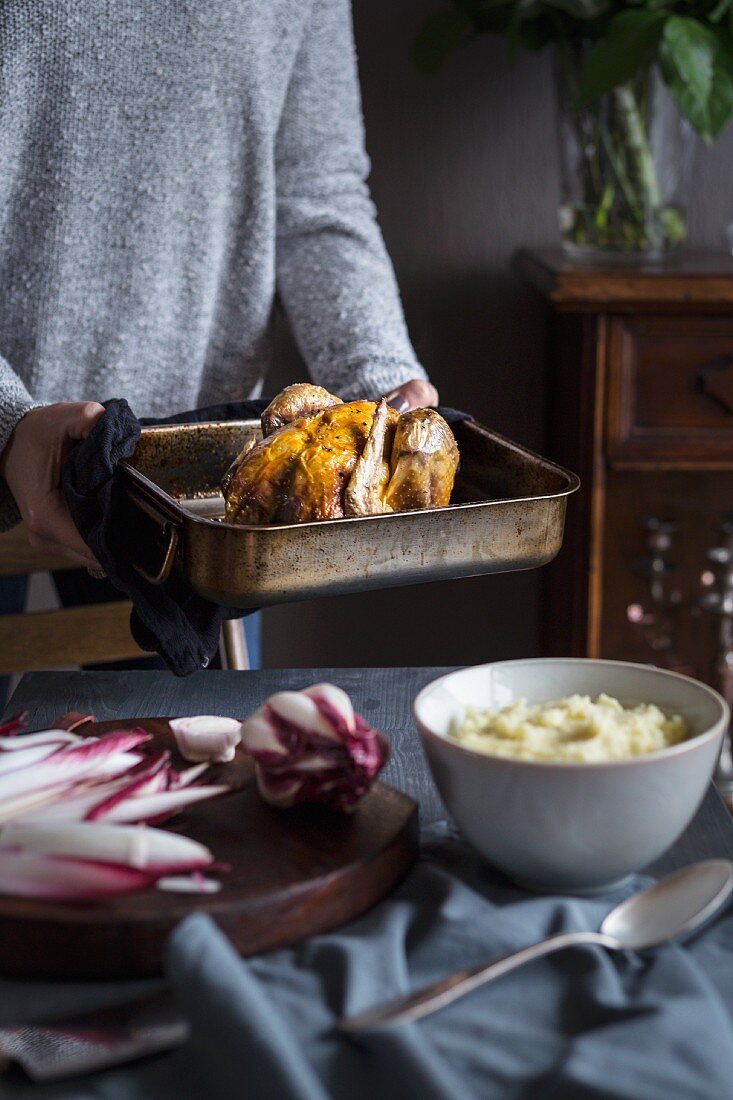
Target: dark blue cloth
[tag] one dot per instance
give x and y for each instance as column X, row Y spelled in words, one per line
column 170, row 619
column 578, row 1025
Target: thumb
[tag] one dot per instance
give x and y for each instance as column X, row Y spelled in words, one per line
column 415, row 394
column 82, row 418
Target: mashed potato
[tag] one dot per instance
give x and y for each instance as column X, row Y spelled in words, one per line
column 573, row 729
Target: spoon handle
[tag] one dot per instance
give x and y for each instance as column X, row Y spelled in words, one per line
column 441, row 993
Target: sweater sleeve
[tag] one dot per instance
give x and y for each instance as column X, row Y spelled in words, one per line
column 334, row 276
column 15, row 402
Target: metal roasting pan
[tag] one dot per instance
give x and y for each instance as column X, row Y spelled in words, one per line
column 507, row 513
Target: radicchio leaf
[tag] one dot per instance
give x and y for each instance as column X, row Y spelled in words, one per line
column 310, row 746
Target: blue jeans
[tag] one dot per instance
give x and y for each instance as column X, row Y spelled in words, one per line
column 75, row 587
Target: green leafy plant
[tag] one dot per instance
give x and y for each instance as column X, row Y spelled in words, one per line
column 608, row 55
column 692, row 42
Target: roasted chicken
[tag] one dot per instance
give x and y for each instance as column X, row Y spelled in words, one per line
column 321, row 458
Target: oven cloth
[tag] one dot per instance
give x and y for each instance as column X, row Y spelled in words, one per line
column 582, row 1024
column 170, row 619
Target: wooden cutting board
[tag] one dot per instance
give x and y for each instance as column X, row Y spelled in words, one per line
column 293, row 873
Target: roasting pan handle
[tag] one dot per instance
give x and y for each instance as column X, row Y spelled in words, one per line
column 164, row 572
column 171, row 530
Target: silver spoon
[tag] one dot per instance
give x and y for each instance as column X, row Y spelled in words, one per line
column 674, row 907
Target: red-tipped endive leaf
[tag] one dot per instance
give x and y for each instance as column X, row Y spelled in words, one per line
column 29, row 802
column 50, row 785
column 42, row 737
column 154, row 807
column 11, row 761
column 147, row 778
column 151, row 774
column 298, row 709
column 74, row 803
column 152, row 763
column 151, row 784
column 334, row 705
column 259, row 737
column 114, row 741
column 131, row 845
column 62, row 878
column 11, row 726
column 186, row 777
column 31, row 787
column 68, row 803
column 118, row 763
column 92, row 757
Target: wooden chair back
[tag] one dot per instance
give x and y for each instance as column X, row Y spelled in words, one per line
column 67, row 636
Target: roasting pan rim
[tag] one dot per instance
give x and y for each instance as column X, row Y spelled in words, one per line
column 179, row 505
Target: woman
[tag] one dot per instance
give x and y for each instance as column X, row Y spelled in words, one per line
column 168, row 167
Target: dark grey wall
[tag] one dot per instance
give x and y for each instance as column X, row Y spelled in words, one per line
column 464, row 173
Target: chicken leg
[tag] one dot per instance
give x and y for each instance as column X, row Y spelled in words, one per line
column 423, row 462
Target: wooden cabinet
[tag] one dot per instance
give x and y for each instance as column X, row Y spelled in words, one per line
column 670, row 389
column 642, row 408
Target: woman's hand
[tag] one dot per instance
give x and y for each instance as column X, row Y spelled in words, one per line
column 31, row 464
column 416, row 394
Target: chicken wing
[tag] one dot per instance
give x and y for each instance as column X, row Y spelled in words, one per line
column 295, row 402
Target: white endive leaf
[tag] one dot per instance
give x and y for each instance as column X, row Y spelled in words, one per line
column 63, row 878
column 151, row 806
column 335, row 698
column 11, row 761
column 259, row 735
column 132, row 845
column 298, row 708
column 43, row 737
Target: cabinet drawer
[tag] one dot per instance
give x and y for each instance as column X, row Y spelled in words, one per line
column 670, row 389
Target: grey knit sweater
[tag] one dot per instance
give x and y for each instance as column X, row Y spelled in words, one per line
column 166, row 167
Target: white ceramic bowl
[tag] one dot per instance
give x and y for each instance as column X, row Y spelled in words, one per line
column 571, row 827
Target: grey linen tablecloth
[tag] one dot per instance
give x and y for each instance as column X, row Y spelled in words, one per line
column 579, row 1024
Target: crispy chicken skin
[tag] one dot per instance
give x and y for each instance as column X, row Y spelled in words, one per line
column 423, row 462
column 364, row 494
column 323, row 459
column 295, row 402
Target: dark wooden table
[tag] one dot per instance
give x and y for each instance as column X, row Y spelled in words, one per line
column 383, row 695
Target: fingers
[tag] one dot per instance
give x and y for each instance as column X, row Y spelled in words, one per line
column 416, row 394
column 51, row 529
column 32, row 463
column 83, row 415
column 56, row 550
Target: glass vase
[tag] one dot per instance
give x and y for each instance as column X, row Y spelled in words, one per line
column 625, row 165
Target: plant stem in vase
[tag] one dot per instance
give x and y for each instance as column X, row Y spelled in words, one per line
column 623, row 161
